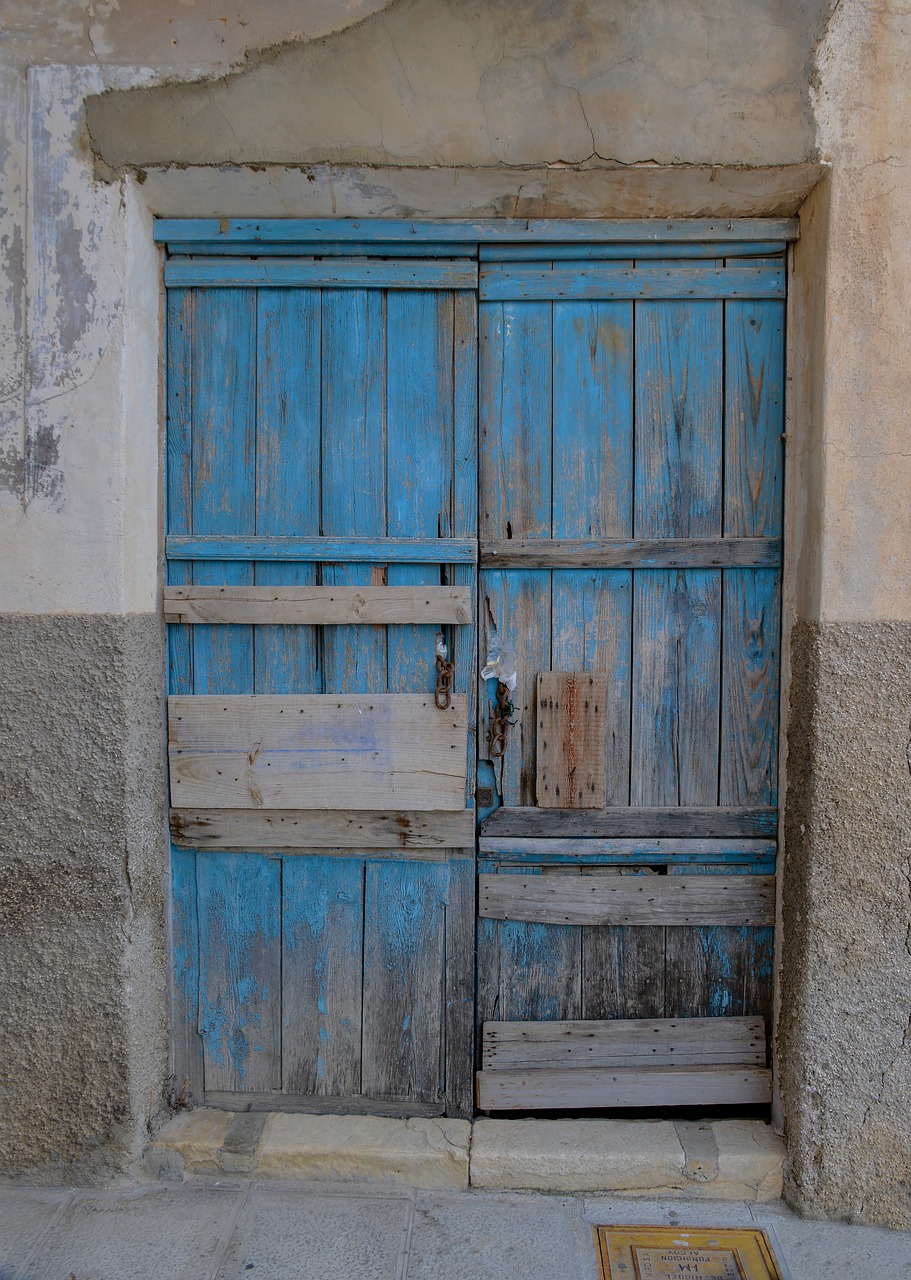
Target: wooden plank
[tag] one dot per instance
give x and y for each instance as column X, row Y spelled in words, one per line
column 404, row 932
column 318, row 605
column 322, row 963
column 638, row 250
column 520, row 230
column 238, row 902
column 657, row 900
column 332, row 273
column 726, row 822
column 282, row 829
column 374, row 550
column 618, row 1042
column 301, row 1104
column 639, row 553
column 750, row 667
column 367, row 249
column 187, row 1045
column 668, row 847
column 754, row 418
column 623, row 965
column 525, row 282
column 592, row 1089
column 571, row 709
column 464, row 646
column 340, row 751
column 459, row 991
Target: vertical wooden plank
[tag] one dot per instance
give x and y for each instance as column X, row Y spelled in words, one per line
column 287, row 471
column 322, row 964
column 623, row 967
column 353, row 471
column 749, row 687
column 239, row 898
column 592, row 498
column 571, row 710
column 458, row 968
column 404, row 930
column 464, row 646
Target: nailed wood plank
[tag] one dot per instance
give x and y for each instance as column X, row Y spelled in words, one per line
column 664, row 846
column 280, row 829
column 570, row 742
column 590, row 1088
column 621, row 1042
column 638, row 553
column 459, row 992
column 508, row 230
column 727, row 822
column 318, row 605
column 332, row 273
column 524, row 281
column 658, row 900
column 623, row 965
column 632, row 250
column 357, row 751
column 332, row 549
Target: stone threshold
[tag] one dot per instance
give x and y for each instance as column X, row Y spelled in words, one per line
column 705, row 1160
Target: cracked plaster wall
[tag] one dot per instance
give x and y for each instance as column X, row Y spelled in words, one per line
column 513, row 117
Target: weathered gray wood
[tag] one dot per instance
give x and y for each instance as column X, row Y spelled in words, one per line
column 639, row 553
column 345, row 751
column 670, row 845
column 664, row 900
column 689, row 823
column 570, row 742
column 357, row 1105
column 291, row 829
column 318, row 605
column 639, row 1042
column 459, row 978
column 590, row 1088
column 332, row 550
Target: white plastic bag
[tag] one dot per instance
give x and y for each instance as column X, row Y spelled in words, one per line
column 501, row 665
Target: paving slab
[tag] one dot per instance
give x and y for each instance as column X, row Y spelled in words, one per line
column 836, row 1250
column 25, row 1213
column 151, row 1232
column 496, row 1237
column 296, row 1235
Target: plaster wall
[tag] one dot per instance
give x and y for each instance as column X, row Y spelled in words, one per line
column 454, row 109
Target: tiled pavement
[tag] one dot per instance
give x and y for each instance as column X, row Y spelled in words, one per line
column 224, row 1230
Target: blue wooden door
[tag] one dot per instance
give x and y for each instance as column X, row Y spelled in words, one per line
column 321, row 433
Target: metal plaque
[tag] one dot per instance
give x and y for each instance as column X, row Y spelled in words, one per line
column 679, row 1253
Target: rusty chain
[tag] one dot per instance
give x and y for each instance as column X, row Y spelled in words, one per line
column 502, row 719
column 442, row 696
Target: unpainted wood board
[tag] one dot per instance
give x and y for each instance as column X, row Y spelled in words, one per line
column 595, row 281
column 602, row 899
column 622, row 971
column 636, row 553
column 620, row 1042
column 668, row 846
column 459, row 979
column 689, row 822
column 275, row 829
column 571, row 711
column 404, row 952
column 340, row 751
column 318, row 605
column 322, row 975
column 592, row 1089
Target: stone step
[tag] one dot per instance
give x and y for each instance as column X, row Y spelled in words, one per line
column 710, row 1160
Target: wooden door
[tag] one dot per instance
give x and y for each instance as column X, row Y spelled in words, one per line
column 321, row 494
column 631, row 414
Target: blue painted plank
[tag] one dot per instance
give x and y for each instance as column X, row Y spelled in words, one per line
column 239, row 898
column 322, row 978
column 287, row 473
column 404, row 949
column 634, row 250
column 754, row 418
column 353, row 549
column 187, row 1046
column 523, row 281
column 329, row 273
column 464, row 640
column 179, row 473
column 750, row 687
column 649, row 230
column 354, row 248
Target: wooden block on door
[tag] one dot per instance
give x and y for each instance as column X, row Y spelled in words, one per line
column 571, row 726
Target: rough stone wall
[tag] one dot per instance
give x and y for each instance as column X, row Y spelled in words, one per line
column 82, row 1036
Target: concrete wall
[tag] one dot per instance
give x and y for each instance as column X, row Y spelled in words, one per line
column 416, row 108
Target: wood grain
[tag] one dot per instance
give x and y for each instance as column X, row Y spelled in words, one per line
column 320, row 751
column 592, row 1089
column 655, row 900
column 571, row 710
column 280, row 829
column 639, row 553
column 318, row 605
column 691, row 822
column 528, row 282
column 668, row 847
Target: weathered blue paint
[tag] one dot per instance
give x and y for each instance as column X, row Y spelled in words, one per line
column 331, row 273
column 532, row 281
column 322, row 550
column 603, row 252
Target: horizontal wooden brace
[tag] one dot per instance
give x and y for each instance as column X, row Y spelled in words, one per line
column 524, row 283
column 341, row 249
column 661, row 848
column 585, row 1088
column 624, row 1042
column 640, row 553
column 504, row 230
column 615, row 900
column 620, row 821
column 328, row 273
column 331, row 550
column 280, row 829
column 582, row 252
column 757, row 866
column 319, row 606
